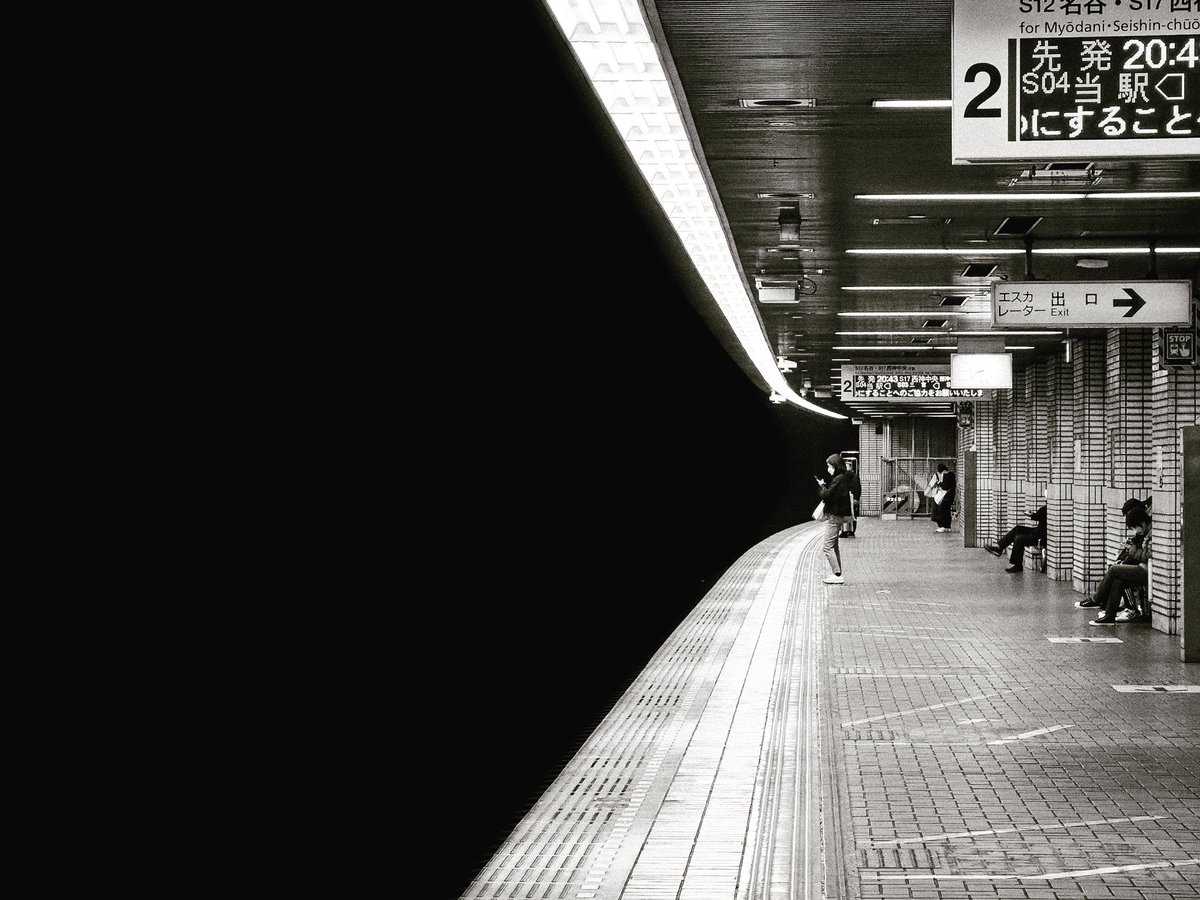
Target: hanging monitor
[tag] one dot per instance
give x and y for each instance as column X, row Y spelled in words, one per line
column 981, row 370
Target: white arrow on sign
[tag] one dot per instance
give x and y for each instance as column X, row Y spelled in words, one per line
column 1159, row 87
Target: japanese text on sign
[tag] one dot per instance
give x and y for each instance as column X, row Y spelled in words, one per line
column 1113, row 304
column 919, row 386
column 1055, row 79
column 1104, row 88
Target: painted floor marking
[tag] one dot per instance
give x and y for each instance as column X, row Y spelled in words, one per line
column 971, row 721
column 1081, row 640
column 875, row 607
column 1085, row 873
column 909, row 637
column 1029, row 734
column 1091, row 823
column 1157, row 688
column 909, row 712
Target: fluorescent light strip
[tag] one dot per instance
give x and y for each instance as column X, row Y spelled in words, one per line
column 897, row 348
column 970, row 290
column 1015, row 347
column 934, row 332
column 1046, row 251
column 616, row 51
column 933, row 313
column 911, row 104
column 1125, row 251
column 1092, row 195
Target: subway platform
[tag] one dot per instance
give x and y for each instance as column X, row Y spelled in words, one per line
column 933, row 728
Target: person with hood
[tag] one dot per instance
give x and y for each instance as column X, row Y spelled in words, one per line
column 835, row 494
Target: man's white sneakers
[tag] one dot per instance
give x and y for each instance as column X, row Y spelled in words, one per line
column 835, row 579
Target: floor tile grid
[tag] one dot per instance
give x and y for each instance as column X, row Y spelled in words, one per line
column 937, row 656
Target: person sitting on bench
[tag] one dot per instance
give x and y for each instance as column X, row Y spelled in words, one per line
column 1021, row 537
column 1131, row 572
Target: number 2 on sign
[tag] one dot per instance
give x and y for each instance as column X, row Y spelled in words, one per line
column 973, row 110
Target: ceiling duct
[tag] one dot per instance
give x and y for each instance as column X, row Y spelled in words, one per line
column 789, row 223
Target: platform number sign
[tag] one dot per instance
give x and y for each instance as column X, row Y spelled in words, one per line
column 1061, row 80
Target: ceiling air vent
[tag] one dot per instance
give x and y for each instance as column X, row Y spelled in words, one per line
column 1069, row 169
column 1015, row 226
column 953, row 301
column 978, row 270
column 779, row 103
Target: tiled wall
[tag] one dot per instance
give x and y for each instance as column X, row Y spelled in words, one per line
column 1175, row 403
column 1060, row 519
column 870, row 452
column 1092, row 432
column 1090, row 466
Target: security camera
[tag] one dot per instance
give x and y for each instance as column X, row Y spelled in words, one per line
column 777, row 397
column 785, row 365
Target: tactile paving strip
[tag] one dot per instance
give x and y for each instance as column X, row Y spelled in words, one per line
column 688, row 786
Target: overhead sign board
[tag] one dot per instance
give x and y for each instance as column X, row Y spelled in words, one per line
column 1079, row 304
column 1056, row 79
column 898, row 382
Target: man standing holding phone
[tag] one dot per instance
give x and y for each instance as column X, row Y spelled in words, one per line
column 835, row 494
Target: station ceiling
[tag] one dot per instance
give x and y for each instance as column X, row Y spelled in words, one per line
column 787, row 177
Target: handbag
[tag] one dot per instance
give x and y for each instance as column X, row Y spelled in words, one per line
column 939, row 494
column 819, row 512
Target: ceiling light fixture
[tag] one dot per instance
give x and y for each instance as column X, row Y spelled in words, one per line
column 911, row 104
column 1045, row 251
column 1091, row 262
column 911, row 314
column 600, row 35
column 949, row 333
column 895, row 348
column 783, row 195
column 914, row 287
column 1097, row 195
column 778, row 102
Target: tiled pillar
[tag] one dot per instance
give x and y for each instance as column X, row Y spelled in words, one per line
column 1060, row 420
column 984, row 444
column 1175, row 401
column 1002, row 473
column 1037, row 468
column 870, row 467
column 1088, row 551
column 1129, row 423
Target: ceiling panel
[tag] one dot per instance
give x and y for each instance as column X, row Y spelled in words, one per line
column 844, row 55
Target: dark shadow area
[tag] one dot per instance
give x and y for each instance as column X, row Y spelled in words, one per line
column 619, row 460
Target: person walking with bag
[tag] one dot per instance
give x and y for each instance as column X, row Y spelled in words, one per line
column 835, row 495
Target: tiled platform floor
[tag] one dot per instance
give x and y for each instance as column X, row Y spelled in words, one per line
column 914, row 733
